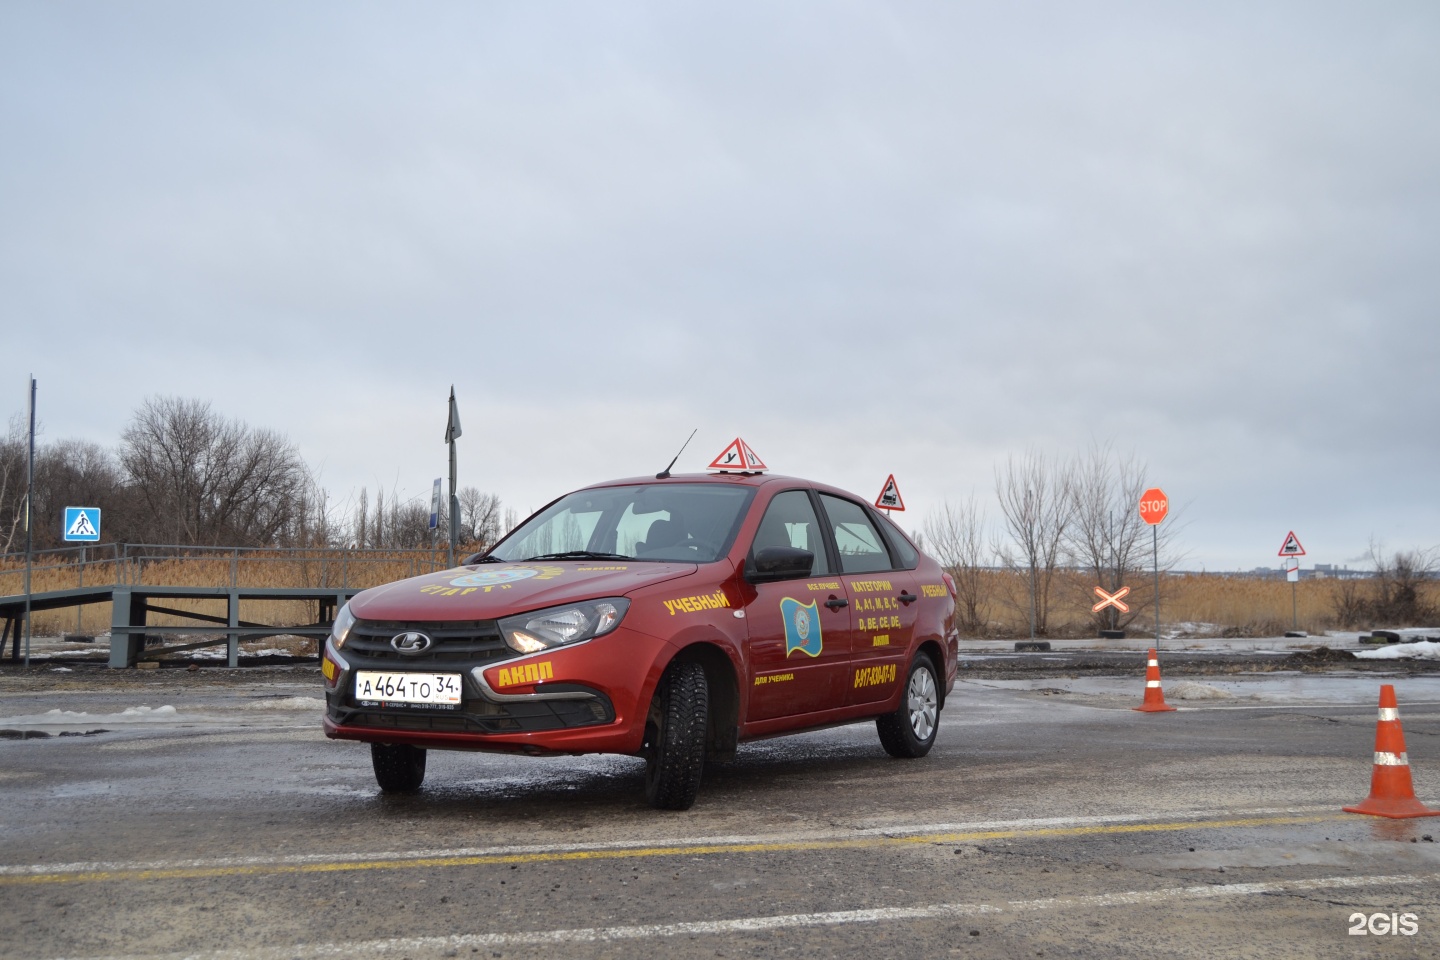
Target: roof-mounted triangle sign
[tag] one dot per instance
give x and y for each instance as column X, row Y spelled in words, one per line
column 889, row 498
column 738, row 456
column 1291, row 547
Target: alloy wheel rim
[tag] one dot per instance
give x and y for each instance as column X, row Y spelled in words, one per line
column 922, row 703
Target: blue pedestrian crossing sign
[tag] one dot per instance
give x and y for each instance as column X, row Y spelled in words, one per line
column 82, row 524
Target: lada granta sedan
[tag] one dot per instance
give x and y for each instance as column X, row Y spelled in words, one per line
column 669, row 619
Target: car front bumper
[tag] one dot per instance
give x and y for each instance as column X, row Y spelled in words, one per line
column 587, row 698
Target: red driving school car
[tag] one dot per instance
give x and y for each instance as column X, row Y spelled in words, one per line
column 665, row 617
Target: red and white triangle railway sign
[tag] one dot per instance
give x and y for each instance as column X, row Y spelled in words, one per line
column 889, row 498
column 1291, row 547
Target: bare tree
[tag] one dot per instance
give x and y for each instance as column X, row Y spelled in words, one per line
column 956, row 536
column 73, row 473
column 1400, row 594
column 13, row 452
column 205, row 479
column 1037, row 505
column 314, row 525
column 480, row 517
column 362, row 519
column 1105, row 538
column 409, row 523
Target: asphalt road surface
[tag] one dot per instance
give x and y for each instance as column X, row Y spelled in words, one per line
column 214, row 820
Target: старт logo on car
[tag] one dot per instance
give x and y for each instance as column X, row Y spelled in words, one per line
column 411, row 643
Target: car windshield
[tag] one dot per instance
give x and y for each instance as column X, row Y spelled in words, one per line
column 694, row 522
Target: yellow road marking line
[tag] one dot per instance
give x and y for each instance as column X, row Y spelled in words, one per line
column 564, row 856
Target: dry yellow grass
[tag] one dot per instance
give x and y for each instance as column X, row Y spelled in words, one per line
column 1236, row 605
column 1215, row 603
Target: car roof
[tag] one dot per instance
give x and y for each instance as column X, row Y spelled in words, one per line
column 741, row 479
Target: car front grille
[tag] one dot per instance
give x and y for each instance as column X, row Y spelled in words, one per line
column 471, row 642
column 481, row 717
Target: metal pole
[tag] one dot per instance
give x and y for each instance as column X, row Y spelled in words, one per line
column 80, row 607
column 1032, row 600
column 1294, row 604
column 1114, row 612
column 29, row 500
column 452, row 432
column 1155, row 540
column 454, row 520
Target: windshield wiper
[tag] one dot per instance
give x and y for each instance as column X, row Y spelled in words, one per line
column 472, row 560
column 580, row 555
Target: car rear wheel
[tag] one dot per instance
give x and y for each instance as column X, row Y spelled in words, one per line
column 909, row 732
column 675, row 737
column 399, row 767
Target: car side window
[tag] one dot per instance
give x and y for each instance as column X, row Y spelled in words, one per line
column 861, row 548
column 790, row 521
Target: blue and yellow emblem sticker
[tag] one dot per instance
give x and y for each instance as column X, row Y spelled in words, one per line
column 802, row 627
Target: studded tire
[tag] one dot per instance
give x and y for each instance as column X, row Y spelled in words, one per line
column 675, row 737
column 399, row 767
column 909, row 732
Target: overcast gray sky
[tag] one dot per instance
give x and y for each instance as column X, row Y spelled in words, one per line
column 870, row 238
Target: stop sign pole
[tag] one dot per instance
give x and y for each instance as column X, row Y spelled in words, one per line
column 1154, row 505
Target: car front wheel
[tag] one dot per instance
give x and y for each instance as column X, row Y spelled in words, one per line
column 399, row 767
column 909, row 732
column 675, row 737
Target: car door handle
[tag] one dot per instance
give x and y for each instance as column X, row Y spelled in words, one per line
column 836, row 603
column 908, row 598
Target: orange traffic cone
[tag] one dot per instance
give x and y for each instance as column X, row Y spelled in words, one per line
column 1154, row 696
column 1391, row 792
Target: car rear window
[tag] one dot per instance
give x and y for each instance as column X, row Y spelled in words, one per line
column 904, row 549
column 861, row 548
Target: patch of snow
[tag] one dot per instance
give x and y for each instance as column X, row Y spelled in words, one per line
column 61, row 670
column 1190, row 629
column 1419, row 650
column 220, row 653
column 70, row 718
column 1190, row 690
column 165, row 711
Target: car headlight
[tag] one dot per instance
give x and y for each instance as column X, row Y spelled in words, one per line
column 340, row 632
column 557, row 626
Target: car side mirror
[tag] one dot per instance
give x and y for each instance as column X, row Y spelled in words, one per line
column 779, row 563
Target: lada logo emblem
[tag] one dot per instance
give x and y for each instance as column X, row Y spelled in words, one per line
column 411, row 643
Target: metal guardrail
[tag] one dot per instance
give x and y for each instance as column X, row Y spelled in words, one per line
column 132, row 577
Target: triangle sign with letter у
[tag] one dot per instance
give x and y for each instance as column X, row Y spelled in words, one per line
column 1292, row 546
column 738, row 456
column 889, row 498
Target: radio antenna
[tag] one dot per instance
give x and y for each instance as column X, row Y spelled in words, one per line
column 665, row 474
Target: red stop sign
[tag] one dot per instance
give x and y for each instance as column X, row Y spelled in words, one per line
column 1153, row 506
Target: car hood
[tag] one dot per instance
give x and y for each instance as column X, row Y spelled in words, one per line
column 489, row 591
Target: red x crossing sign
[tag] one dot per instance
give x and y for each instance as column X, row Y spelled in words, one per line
column 1111, row 600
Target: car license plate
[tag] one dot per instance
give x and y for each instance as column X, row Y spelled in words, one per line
column 374, row 686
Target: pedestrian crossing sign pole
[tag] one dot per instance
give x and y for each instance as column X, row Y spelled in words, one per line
column 82, row 525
